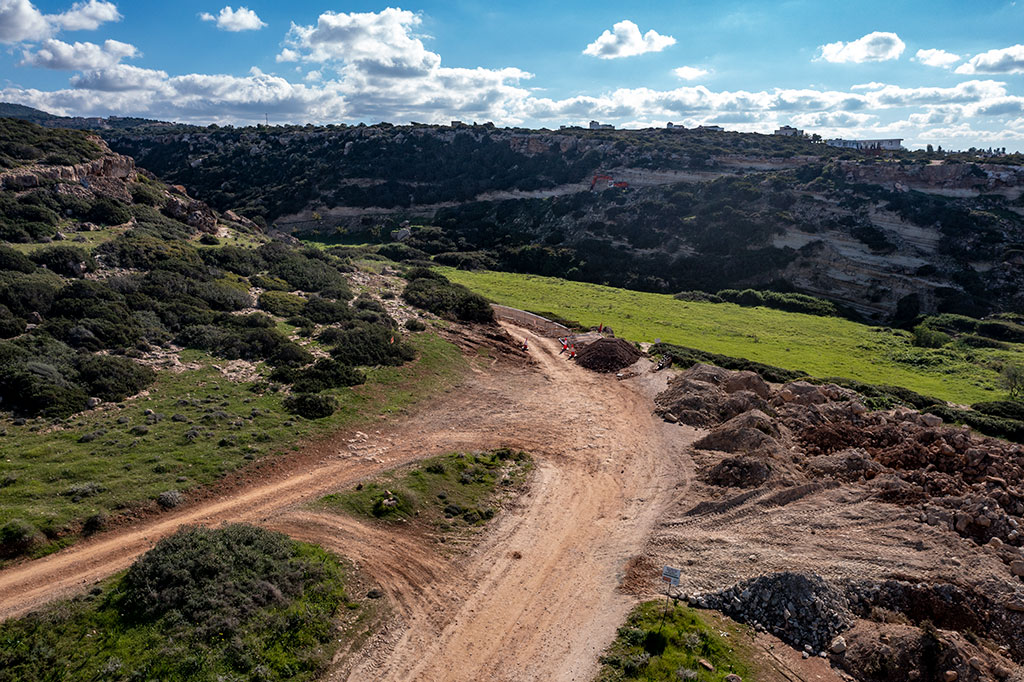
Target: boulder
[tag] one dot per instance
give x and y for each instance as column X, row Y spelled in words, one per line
column 803, row 393
column 747, row 381
column 751, row 431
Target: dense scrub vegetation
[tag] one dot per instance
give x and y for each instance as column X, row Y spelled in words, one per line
column 432, row 291
column 22, row 142
column 203, row 604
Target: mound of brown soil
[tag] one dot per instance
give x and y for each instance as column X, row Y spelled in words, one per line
column 608, row 355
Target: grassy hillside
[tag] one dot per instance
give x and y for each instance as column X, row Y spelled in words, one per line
column 821, row 346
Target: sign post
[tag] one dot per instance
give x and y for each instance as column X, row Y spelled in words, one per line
column 670, row 576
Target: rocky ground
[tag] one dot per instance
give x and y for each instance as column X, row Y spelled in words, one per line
column 885, row 541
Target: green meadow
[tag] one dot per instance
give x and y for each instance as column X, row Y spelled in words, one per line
column 820, row 346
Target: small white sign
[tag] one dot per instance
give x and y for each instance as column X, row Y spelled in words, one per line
column 671, row 575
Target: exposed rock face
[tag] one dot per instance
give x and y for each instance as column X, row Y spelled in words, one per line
column 106, row 175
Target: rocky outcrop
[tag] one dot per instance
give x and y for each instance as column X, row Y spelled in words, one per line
column 108, row 175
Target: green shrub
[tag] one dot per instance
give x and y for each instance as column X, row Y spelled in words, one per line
column 267, row 282
column 281, row 303
column 414, row 325
column 326, row 311
column 16, row 536
column 108, row 211
column 325, row 374
column 698, row 296
column 1001, row 330
column 15, row 260
column 9, row 324
column 222, row 294
column 1006, row 409
column 311, row 405
column 113, row 378
column 926, row 337
column 147, row 194
column 432, row 291
column 307, row 274
column 69, row 261
column 687, row 357
column 370, row 345
column 1010, row 429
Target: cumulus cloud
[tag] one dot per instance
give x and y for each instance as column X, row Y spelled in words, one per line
column 121, row 78
column 874, row 47
column 1005, row 60
column 624, row 40
column 56, row 54
column 939, row 58
column 242, row 19
column 20, row 21
column 86, row 16
column 690, row 73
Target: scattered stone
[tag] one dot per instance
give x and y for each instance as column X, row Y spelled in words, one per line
column 838, row 645
column 733, row 677
column 93, row 402
column 1017, row 568
column 950, row 676
column 704, row 663
column 374, row 594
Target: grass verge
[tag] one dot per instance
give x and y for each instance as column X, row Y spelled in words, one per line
column 448, row 492
column 659, row 643
column 819, row 346
column 189, row 430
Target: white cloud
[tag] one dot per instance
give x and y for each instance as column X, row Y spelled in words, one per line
column 624, row 40
column 874, row 47
column 873, row 85
column 86, row 16
column 21, row 21
column 690, row 73
column 242, row 19
column 314, row 77
column 939, row 58
column 380, row 43
column 56, row 54
column 121, row 78
column 1005, row 60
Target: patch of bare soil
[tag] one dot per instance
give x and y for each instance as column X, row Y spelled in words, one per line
column 536, row 597
column 608, row 355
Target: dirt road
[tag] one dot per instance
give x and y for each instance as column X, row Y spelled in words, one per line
column 537, row 600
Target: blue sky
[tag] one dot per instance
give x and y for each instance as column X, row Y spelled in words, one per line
column 940, row 72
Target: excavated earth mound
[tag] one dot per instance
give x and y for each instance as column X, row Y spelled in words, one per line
column 608, row 355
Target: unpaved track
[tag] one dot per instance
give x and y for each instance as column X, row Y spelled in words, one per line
column 536, row 601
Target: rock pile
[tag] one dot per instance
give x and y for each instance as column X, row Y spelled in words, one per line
column 608, row 355
column 803, row 610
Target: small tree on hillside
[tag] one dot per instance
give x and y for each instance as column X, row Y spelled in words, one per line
column 1013, row 381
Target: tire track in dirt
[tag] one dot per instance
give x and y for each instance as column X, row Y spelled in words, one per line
column 605, row 468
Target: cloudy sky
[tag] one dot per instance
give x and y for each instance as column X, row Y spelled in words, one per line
column 943, row 72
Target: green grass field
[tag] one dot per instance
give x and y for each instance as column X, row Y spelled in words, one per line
column 821, row 346
column 203, row 425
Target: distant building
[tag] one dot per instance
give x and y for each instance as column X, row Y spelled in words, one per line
column 893, row 144
column 672, row 126
column 789, row 131
column 718, row 129
column 594, row 125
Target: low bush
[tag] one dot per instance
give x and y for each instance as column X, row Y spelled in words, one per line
column 687, row 357
column 432, row 291
column 1001, row 330
column 311, row 405
column 790, row 302
column 414, row 325
column 113, row 378
column 107, row 211
column 325, row 374
column 1006, row 409
column 326, row 311
column 237, row 602
column 699, row 297
column 281, row 303
column 15, row 260
column 370, row 345
column 16, row 536
column 926, row 337
column 65, row 260
column 999, row 427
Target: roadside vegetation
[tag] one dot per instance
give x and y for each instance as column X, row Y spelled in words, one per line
column 237, row 602
column 136, row 368
column 817, row 346
column 662, row 643
column 449, row 492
